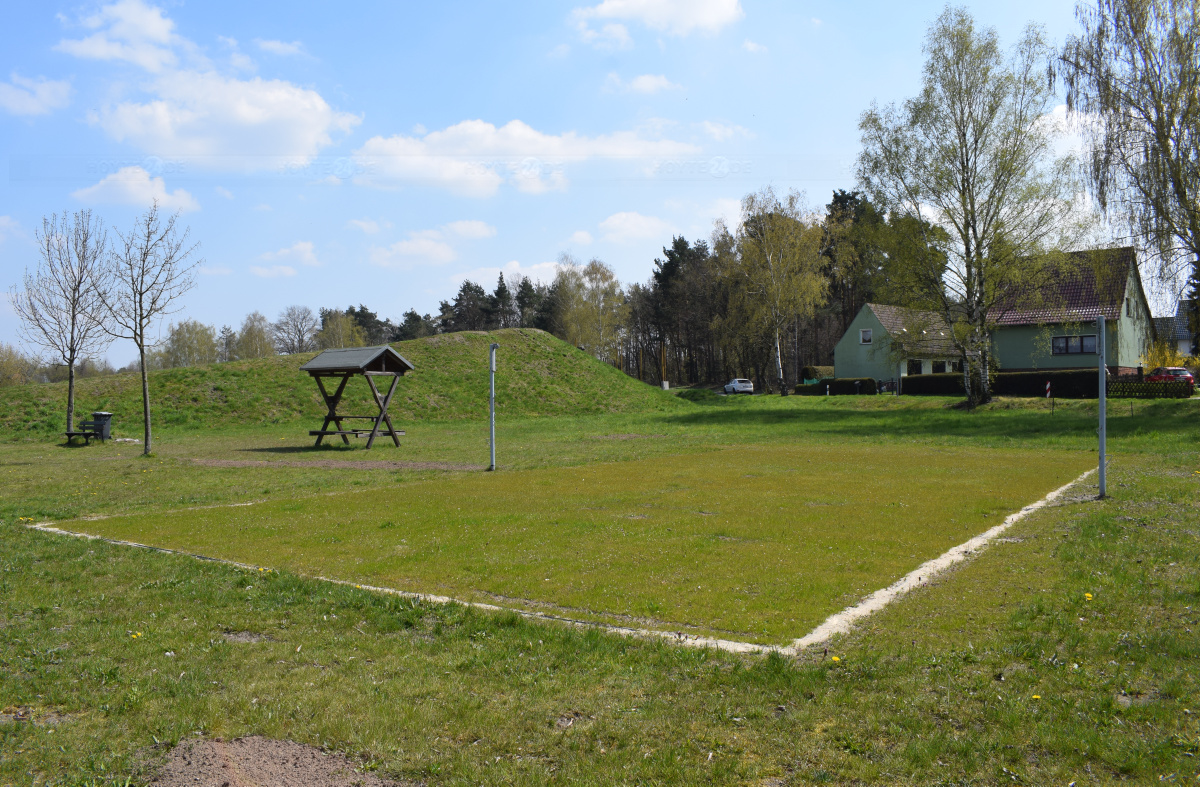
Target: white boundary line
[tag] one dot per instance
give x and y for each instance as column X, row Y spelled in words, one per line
column 839, row 623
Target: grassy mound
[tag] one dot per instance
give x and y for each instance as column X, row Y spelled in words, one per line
column 536, row 375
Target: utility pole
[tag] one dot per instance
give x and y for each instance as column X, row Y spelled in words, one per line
column 492, row 400
column 1103, row 405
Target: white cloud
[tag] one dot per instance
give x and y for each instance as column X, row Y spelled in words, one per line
column 24, row 96
column 9, row 228
column 752, row 47
column 431, row 246
column 816, row 22
column 264, row 207
column 369, row 226
column 647, row 84
column 560, row 51
column 471, row 229
column 541, row 271
column 676, row 17
column 224, row 192
column 134, row 186
column 273, row 272
column 723, row 132
column 474, row 158
column 580, row 238
column 301, row 252
column 225, row 122
column 631, row 226
column 133, row 32
column 280, row 47
column 730, row 210
column 421, row 246
column 215, row 270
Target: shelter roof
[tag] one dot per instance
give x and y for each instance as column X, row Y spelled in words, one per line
column 353, row 360
column 920, row 331
column 1087, row 285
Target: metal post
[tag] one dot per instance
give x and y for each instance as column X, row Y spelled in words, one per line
column 492, row 401
column 1103, row 405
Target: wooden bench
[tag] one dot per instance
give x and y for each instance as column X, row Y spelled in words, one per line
column 87, row 430
column 354, row 432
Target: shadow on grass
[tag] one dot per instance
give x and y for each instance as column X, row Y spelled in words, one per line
column 994, row 424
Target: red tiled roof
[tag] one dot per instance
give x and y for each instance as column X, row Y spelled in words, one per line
column 1089, row 284
column 929, row 333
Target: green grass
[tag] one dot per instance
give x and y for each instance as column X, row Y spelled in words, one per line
column 537, row 375
column 749, row 542
column 447, row 695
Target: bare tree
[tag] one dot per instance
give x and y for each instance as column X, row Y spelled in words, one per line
column 59, row 304
column 149, row 270
column 295, row 329
column 1134, row 73
column 971, row 159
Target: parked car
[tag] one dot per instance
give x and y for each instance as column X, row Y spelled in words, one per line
column 1169, row 374
column 738, row 385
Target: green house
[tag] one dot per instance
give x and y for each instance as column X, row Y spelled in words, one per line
column 1054, row 330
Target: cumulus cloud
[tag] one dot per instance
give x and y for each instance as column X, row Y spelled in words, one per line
column 472, row 229
column 430, row 246
column 421, row 246
column 723, row 132
column 280, row 47
column 580, row 238
column 227, row 123
column 752, row 47
column 222, row 121
column 24, row 96
column 630, row 226
column 474, row 158
column 301, row 252
column 369, row 226
column 541, row 271
column 273, row 272
column 130, row 31
column 9, row 228
column 224, row 192
column 647, row 84
column 134, row 186
column 675, row 17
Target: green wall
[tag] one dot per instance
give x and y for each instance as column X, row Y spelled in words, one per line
column 851, row 359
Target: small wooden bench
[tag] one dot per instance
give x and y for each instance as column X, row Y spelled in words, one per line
column 88, row 430
column 354, row 432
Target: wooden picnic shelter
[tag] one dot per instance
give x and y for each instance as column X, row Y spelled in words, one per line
column 343, row 363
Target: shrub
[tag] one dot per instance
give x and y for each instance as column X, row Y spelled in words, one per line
column 840, row 386
column 696, row 394
column 946, row 384
column 1064, row 384
column 816, row 372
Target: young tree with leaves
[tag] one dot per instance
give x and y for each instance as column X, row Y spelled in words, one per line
column 190, row 343
column 339, row 329
column 151, row 268
column 972, row 155
column 1134, row 74
column 59, row 304
column 255, row 339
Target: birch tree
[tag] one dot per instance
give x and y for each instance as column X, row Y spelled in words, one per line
column 151, row 268
column 779, row 261
column 1133, row 74
column 59, row 304
column 972, row 154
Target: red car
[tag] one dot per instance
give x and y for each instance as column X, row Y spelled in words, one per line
column 1169, row 374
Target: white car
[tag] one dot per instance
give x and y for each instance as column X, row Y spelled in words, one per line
column 738, row 385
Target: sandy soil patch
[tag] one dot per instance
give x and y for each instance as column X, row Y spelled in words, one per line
column 259, row 762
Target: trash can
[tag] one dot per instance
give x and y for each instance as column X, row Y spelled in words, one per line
column 103, row 425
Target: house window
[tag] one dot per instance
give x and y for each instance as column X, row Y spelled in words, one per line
column 939, row 367
column 1129, row 307
column 864, row 336
column 914, row 366
column 956, row 366
column 1073, row 345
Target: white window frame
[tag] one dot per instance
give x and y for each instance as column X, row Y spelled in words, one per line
column 865, row 335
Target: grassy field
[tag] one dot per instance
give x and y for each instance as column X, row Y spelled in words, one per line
column 756, row 543
column 1065, row 653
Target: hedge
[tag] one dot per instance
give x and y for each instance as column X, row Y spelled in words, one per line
column 1064, row 384
column 1068, row 384
column 840, row 386
column 816, row 372
column 946, row 384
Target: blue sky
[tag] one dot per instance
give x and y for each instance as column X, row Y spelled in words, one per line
column 333, row 155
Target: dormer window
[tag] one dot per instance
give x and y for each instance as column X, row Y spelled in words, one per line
column 864, row 336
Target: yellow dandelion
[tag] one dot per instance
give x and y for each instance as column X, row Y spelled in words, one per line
column 1037, row 696
column 835, row 658
column 1087, row 596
